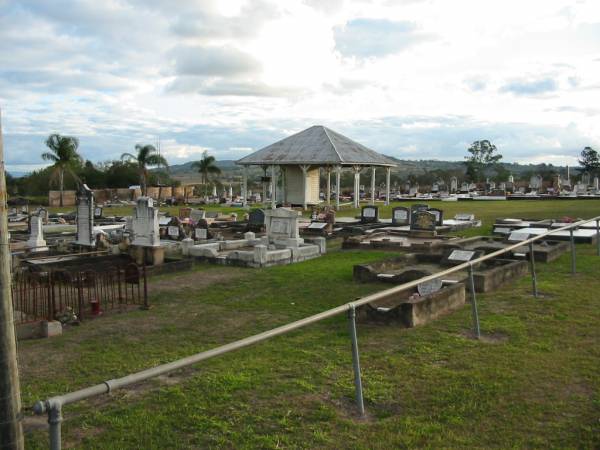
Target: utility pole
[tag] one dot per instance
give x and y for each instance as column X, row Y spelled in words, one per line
column 11, row 431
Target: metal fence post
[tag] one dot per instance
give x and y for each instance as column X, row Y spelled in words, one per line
column 598, row 237
column 146, row 305
column 573, row 254
column 356, row 361
column 54, row 420
column 532, row 267
column 474, row 312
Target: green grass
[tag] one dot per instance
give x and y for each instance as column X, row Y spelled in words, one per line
column 536, row 386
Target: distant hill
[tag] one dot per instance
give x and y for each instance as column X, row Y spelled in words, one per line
column 186, row 174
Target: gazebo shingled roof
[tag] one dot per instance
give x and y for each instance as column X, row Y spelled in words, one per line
column 320, row 146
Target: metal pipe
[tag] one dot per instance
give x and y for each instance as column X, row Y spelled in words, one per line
column 475, row 314
column 356, row 361
column 598, row 237
column 532, row 267
column 573, row 253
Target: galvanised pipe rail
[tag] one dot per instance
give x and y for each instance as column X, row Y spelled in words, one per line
column 53, row 406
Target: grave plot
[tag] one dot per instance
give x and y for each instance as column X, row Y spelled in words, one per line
column 393, row 240
column 545, row 251
column 488, row 275
column 416, row 306
column 281, row 245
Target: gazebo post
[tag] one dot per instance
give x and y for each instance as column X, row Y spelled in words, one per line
column 328, row 168
column 304, row 169
column 273, row 188
column 356, row 186
column 283, row 189
column 264, row 187
column 338, row 172
column 388, row 171
column 245, row 186
column 373, row 185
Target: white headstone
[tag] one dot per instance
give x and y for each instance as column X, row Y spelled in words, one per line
column 36, row 240
column 145, row 223
column 85, row 217
column 282, row 226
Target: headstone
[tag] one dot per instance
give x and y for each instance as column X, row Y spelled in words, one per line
column 422, row 221
column 197, row 214
column 435, row 187
column 230, row 191
column 282, row 227
column 464, row 216
column 256, row 219
column 214, row 190
column 585, row 179
column 464, row 187
column 453, row 185
column 201, row 231
column 85, row 217
column 439, row 216
column 369, row 214
column 461, row 255
column 400, row 216
column 517, row 236
column 429, row 287
column 36, row 240
column 596, row 184
column 511, row 179
column 98, row 212
column 145, row 223
column 535, row 182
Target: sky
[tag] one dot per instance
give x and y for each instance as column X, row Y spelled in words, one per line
column 414, row 79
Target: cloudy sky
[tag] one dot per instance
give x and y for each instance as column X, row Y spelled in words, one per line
column 409, row 78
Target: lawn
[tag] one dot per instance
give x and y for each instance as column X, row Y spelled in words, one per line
column 533, row 382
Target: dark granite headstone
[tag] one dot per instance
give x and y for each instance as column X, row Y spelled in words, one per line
column 419, row 207
column 369, row 214
column 400, row 216
column 422, row 221
column 256, row 220
column 98, row 212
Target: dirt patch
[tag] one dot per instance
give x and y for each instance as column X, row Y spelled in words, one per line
column 195, row 280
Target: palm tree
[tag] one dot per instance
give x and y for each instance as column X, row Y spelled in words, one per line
column 206, row 167
column 64, row 156
column 147, row 155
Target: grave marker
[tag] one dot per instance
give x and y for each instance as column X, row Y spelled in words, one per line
column 400, row 216
column 85, row 217
column 369, row 214
column 422, row 221
column 429, row 287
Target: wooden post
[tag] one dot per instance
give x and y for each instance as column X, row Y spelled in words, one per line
column 328, row 168
column 338, row 172
column 372, row 185
column 11, row 430
column 304, row 169
column 388, row 172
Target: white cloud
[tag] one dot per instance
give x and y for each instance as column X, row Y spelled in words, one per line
column 407, row 78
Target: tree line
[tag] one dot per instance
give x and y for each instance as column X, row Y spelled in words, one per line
column 68, row 170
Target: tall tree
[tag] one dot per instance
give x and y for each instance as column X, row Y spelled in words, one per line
column 590, row 161
column 147, row 156
column 206, row 167
column 63, row 153
column 484, row 157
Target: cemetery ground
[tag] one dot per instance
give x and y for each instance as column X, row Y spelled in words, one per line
column 532, row 381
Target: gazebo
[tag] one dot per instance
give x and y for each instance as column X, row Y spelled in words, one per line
column 298, row 159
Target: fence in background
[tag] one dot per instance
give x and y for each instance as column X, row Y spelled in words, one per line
column 59, row 292
column 53, row 406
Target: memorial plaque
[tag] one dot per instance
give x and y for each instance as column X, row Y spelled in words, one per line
column 419, row 207
column 461, row 255
column 173, row 231
column 517, row 236
column 502, row 230
column 400, row 216
column 429, row 287
column 201, row 233
column 369, row 214
column 439, row 215
column 98, row 212
column 464, row 216
column 317, row 226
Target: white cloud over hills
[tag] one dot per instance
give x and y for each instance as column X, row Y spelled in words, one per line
column 412, row 79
